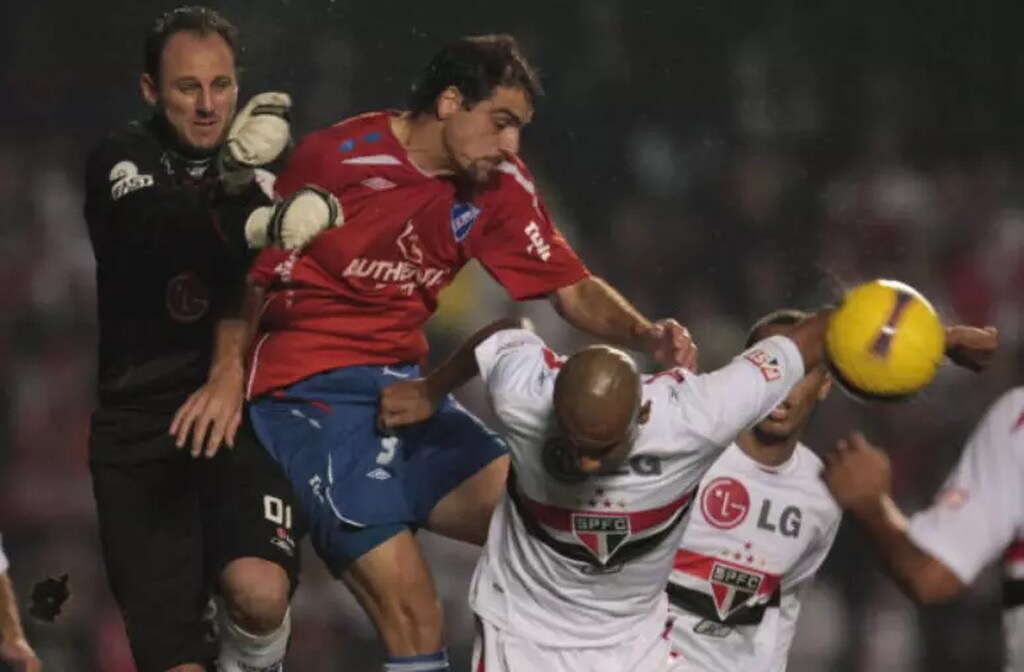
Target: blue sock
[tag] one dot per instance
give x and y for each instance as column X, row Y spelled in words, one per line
column 430, row 662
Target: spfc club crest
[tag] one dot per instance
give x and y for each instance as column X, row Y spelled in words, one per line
column 602, row 534
column 733, row 588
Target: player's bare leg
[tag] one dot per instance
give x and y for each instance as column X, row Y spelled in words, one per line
column 254, row 624
column 395, row 588
column 465, row 512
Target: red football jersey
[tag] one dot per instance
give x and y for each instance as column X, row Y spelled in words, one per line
column 360, row 293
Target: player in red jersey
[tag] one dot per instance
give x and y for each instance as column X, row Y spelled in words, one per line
column 412, row 197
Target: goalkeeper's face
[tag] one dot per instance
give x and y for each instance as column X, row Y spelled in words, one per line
column 197, row 90
column 479, row 137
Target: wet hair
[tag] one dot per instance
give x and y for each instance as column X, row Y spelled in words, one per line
column 195, row 19
column 785, row 317
column 475, row 66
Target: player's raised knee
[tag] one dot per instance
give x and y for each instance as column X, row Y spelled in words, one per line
column 255, row 594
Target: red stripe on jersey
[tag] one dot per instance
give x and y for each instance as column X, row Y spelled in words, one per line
column 1019, row 424
column 1014, row 552
column 552, row 359
column 702, row 566
column 560, row 519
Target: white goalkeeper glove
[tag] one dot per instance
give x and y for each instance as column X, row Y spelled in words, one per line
column 258, row 135
column 293, row 222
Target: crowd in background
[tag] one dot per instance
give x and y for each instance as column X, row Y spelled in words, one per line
column 713, row 163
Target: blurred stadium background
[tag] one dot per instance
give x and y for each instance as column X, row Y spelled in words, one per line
column 713, row 160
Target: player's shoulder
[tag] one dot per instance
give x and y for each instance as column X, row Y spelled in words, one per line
column 511, row 182
column 359, row 131
column 1009, row 409
column 128, row 141
column 518, row 368
column 808, row 469
column 809, row 464
column 353, row 135
column 514, row 354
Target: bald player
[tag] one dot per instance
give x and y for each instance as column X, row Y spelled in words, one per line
column 604, row 466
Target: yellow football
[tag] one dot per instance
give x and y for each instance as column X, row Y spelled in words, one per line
column 885, row 341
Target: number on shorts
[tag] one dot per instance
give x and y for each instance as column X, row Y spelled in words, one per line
column 388, row 445
column 277, row 512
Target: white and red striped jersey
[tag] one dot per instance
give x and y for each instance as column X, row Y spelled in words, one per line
column 979, row 513
column 584, row 564
column 755, row 539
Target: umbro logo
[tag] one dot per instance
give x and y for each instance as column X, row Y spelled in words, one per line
column 379, row 474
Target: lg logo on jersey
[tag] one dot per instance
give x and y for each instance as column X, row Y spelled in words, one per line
column 725, row 504
column 789, row 521
column 187, row 298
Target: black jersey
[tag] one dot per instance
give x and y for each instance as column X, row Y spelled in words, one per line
column 170, row 259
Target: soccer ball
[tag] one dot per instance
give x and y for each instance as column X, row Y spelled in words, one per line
column 884, row 342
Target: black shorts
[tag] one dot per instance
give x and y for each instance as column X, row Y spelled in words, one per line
column 169, row 523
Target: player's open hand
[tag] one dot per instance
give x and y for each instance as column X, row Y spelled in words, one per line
column 670, row 344
column 857, row 473
column 19, row 655
column 211, row 415
column 406, row 403
column 971, row 347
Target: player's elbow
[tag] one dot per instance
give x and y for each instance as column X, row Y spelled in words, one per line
column 571, row 299
column 934, row 583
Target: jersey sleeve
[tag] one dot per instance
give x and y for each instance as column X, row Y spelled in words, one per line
column 4, row 564
column 722, row 404
column 136, row 212
column 518, row 372
column 521, row 247
column 976, row 515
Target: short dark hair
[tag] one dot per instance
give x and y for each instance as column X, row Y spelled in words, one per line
column 475, row 66
column 785, row 317
column 196, row 19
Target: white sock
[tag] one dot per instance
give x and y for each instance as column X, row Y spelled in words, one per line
column 241, row 651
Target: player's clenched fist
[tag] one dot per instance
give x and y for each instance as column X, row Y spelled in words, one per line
column 670, row 344
column 260, row 132
column 292, row 223
column 857, row 473
column 258, row 135
column 971, row 347
column 407, row 403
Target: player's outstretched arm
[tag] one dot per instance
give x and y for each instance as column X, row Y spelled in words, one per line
column 809, row 336
column 859, row 477
column 970, row 347
column 594, row 306
column 411, row 401
column 14, row 648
